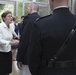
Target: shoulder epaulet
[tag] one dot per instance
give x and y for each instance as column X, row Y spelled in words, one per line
column 42, row 18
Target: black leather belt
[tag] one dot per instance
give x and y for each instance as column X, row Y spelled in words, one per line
column 62, row 64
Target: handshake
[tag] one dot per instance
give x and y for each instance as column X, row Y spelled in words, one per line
column 14, row 42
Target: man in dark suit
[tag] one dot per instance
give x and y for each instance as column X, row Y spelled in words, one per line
column 47, row 37
column 24, row 40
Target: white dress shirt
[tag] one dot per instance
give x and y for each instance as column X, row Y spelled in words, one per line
column 5, row 37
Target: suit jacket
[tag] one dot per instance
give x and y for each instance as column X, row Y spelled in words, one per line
column 47, row 37
column 24, row 40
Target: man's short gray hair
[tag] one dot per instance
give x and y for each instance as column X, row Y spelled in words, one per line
column 35, row 6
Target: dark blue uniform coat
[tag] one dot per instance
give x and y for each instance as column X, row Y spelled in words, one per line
column 25, row 36
column 47, row 37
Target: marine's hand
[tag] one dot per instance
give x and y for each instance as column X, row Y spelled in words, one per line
column 14, row 42
column 19, row 65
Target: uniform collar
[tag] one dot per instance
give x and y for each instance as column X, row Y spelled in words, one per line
column 60, row 7
column 34, row 13
column 61, row 10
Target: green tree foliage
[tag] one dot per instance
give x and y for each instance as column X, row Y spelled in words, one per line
column 19, row 10
column 2, row 7
column 25, row 9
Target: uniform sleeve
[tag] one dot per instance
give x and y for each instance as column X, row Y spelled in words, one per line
column 2, row 41
column 34, row 51
column 20, row 52
column 23, row 44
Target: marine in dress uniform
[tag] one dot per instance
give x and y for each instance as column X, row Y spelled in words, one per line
column 48, row 35
column 25, row 37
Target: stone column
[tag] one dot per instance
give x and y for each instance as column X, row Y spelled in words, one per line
column 74, row 7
